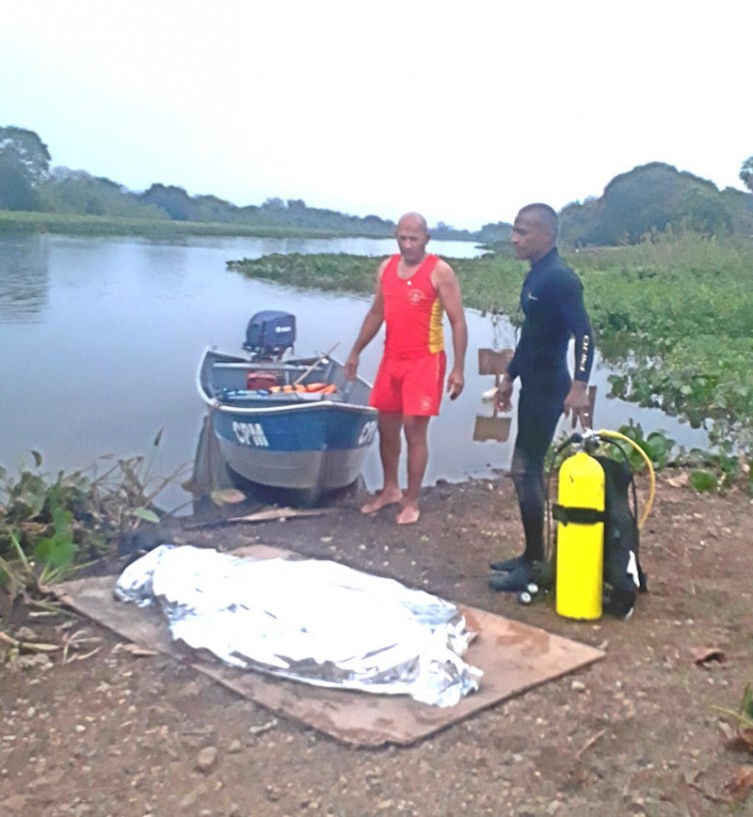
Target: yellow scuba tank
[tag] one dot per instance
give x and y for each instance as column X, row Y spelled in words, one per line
column 580, row 537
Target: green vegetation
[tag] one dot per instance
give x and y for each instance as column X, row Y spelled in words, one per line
column 707, row 471
column 746, row 173
column 673, row 316
column 162, row 228
column 742, row 717
column 655, row 197
column 50, row 525
column 656, row 445
column 327, row 272
column 490, row 283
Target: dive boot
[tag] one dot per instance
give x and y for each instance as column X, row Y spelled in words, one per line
column 513, row 581
column 508, row 565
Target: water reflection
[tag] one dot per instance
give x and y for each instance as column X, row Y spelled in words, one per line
column 495, row 427
column 24, row 278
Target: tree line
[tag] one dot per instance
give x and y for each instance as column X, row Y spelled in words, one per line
column 649, row 198
column 29, row 183
column 654, row 197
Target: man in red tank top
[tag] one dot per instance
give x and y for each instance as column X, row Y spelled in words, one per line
column 413, row 291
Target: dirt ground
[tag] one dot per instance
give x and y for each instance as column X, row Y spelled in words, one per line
column 118, row 733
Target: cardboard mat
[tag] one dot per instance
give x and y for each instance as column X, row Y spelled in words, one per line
column 513, row 656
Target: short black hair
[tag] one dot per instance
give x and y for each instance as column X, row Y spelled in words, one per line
column 546, row 216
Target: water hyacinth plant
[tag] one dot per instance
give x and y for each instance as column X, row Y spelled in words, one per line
column 50, row 524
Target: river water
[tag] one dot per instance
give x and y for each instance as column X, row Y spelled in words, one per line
column 100, row 340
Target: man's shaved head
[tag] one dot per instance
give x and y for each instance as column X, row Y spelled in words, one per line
column 416, row 219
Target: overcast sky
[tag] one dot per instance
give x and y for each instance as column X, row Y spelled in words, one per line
column 463, row 111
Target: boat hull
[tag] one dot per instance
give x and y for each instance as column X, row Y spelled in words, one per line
column 310, row 444
column 322, row 447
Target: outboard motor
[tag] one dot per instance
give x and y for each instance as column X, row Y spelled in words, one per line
column 270, row 334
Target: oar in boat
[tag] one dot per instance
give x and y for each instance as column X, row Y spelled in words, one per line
column 311, row 368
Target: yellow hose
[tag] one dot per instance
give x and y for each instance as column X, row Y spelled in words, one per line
column 651, row 475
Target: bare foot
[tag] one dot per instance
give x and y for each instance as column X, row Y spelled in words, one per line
column 382, row 500
column 409, row 515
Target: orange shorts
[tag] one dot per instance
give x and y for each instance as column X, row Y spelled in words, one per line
column 413, row 387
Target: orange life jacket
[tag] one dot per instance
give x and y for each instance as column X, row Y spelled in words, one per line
column 311, row 388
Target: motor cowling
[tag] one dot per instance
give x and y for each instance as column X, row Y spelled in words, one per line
column 270, row 334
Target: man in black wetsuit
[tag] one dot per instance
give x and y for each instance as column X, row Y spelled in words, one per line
column 552, row 304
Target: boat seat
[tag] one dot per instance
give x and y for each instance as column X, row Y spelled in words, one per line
column 233, row 395
column 271, row 367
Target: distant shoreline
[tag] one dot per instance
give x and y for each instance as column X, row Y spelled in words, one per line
column 79, row 225
column 25, row 222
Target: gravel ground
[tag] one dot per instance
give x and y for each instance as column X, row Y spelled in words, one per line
column 118, row 733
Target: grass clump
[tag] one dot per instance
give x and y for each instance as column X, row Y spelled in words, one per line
column 50, row 525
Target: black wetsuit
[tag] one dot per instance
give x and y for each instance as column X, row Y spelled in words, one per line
column 552, row 303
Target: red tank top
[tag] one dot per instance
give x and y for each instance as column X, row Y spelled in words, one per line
column 412, row 311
